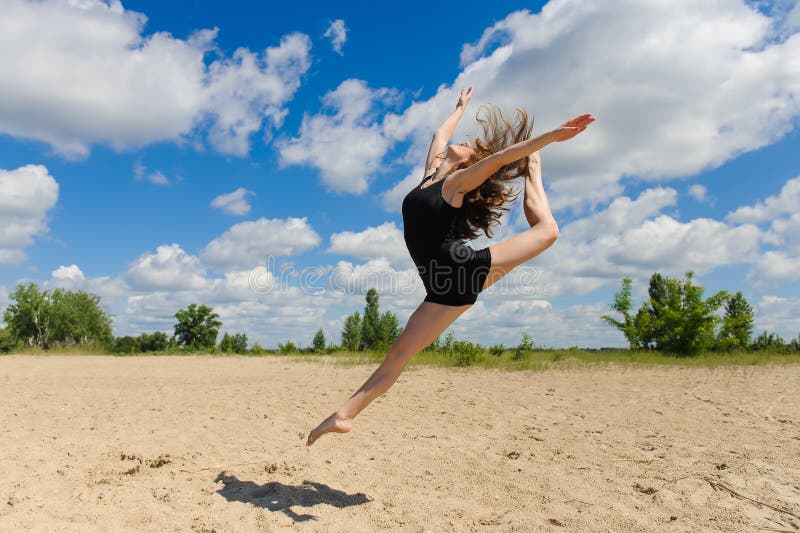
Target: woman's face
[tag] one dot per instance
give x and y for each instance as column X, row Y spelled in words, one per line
column 459, row 153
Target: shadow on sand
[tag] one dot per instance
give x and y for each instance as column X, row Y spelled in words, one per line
column 276, row 496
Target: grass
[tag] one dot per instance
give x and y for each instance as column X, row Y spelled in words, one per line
column 537, row 359
column 543, row 359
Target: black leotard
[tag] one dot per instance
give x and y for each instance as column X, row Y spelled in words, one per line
column 452, row 272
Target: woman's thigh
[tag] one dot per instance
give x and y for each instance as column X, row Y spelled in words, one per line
column 426, row 323
column 520, row 248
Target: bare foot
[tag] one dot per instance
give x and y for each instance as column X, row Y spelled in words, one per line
column 333, row 423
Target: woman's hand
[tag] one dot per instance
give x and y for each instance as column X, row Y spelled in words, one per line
column 463, row 100
column 571, row 128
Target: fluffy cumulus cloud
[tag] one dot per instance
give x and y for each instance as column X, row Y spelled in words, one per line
column 68, row 277
column 778, row 314
column 633, row 237
column 170, row 267
column 233, row 203
column 337, row 33
column 677, row 87
column 347, row 145
column 249, row 244
column 384, row 241
column 26, row 195
column 83, row 72
column 782, row 263
column 786, row 201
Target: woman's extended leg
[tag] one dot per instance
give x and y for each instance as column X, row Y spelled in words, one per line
column 543, row 232
column 426, row 323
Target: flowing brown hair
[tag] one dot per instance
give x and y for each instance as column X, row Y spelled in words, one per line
column 483, row 207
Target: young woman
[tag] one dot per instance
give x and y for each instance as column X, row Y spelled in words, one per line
column 463, row 193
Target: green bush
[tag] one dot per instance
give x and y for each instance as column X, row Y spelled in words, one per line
column 497, row 350
column 524, row 349
column 257, row 349
column 465, row 352
column 6, row 342
column 289, row 347
column 126, row 345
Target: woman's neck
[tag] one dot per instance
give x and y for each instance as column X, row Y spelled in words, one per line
column 443, row 170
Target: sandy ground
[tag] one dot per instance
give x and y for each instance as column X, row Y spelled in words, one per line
column 218, row 444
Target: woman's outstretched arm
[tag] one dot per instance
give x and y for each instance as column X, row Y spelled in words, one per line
column 473, row 176
column 445, row 131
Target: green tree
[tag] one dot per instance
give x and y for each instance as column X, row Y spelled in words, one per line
column 157, row 342
column 737, row 325
column 126, row 344
column 6, row 342
column 769, row 341
column 388, row 330
column 239, row 343
column 29, row 317
column 674, row 319
column 678, row 319
column 370, row 327
column 197, row 327
column 77, row 318
column 629, row 325
column 319, row 341
column 351, row 334
column 226, row 344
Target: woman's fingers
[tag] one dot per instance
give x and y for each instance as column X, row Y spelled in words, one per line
column 581, row 120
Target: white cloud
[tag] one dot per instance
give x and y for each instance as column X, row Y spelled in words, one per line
column 337, row 32
column 249, row 244
column 698, row 192
column 686, row 87
column 346, row 147
column 233, row 203
column 79, row 73
column 384, row 241
column 777, row 314
column 156, row 177
column 787, row 231
column 633, row 237
column 787, row 201
column 775, row 266
column 621, row 215
column 26, row 195
column 68, row 277
column 169, row 268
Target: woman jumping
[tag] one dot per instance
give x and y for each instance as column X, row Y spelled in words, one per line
column 462, row 194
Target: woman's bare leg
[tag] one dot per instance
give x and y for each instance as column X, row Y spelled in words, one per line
column 426, row 323
column 535, row 201
column 543, row 232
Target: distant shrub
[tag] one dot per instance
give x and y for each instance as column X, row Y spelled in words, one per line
column 6, row 342
column 126, row 345
column 287, row 348
column 465, row 352
column 497, row 350
column 257, row 349
column 524, row 349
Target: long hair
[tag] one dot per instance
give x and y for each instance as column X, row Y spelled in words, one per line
column 484, row 206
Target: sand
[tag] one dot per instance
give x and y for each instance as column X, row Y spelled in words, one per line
column 92, row 443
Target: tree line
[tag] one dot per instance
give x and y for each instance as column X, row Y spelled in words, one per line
column 676, row 319
column 46, row 319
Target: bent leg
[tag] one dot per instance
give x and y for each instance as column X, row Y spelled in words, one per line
column 426, row 323
column 524, row 246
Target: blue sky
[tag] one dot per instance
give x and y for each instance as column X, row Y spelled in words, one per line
column 119, row 129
